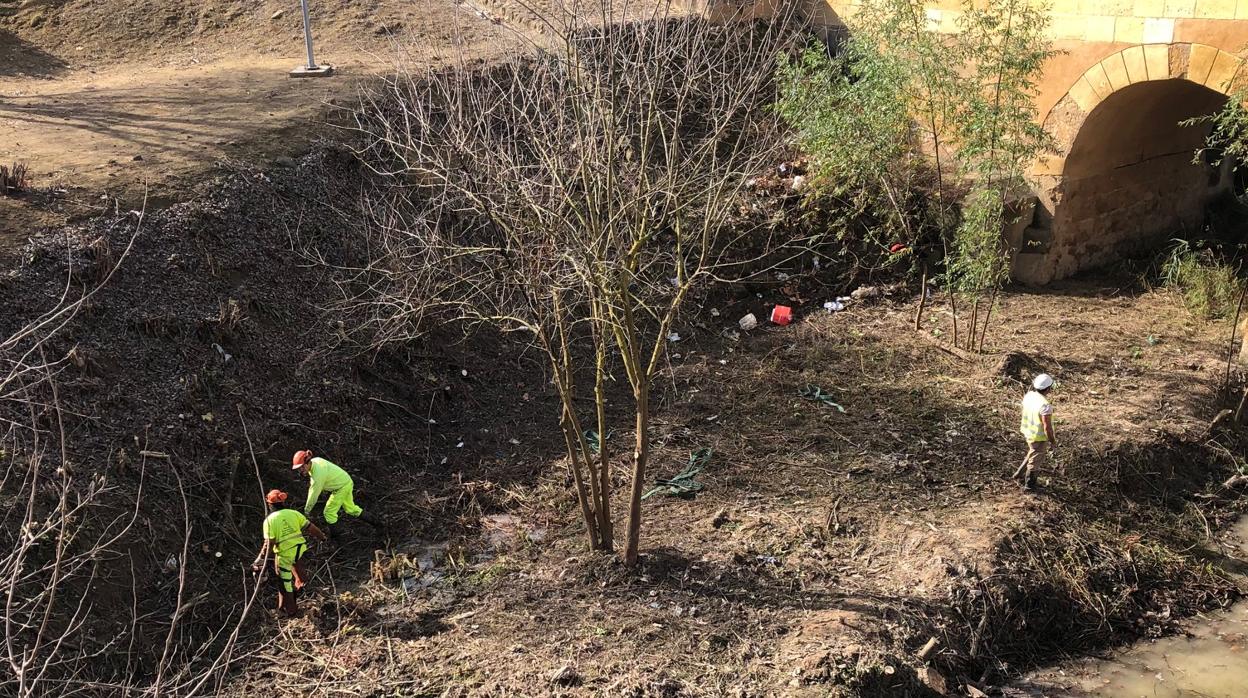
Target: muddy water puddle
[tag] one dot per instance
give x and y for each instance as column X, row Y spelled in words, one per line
column 1210, row 661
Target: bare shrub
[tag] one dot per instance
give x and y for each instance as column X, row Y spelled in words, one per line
column 577, row 193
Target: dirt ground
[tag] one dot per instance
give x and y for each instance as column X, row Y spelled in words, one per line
column 827, row 546
column 117, row 100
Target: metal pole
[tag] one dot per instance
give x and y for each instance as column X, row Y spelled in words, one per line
column 307, row 34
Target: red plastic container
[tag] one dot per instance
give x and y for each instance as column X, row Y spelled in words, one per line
column 782, row 315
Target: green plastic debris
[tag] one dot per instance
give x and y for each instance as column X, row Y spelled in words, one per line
column 683, row 485
column 591, row 437
column 814, row 392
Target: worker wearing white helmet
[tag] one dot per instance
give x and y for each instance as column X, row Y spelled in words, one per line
column 1037, row 427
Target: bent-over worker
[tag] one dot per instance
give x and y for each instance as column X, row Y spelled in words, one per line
column 284, row 536
column 1037, row 427
column 328, row 477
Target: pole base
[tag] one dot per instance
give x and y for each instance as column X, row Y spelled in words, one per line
column 320, row 71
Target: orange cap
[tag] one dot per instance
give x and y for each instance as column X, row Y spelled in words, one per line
column 300, row 458
column 275, row 497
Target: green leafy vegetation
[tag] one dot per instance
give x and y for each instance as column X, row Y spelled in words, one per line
column 880, row 114
column 1209, row 283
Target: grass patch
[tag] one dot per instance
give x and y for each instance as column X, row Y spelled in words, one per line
column 1209, row 281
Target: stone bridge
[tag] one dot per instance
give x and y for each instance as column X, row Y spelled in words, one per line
column 1127, row 73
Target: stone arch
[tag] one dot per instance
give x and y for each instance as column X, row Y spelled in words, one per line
column 1203, row 65
column 1123, row 176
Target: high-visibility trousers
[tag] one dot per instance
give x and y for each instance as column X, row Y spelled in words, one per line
column 341, row 499
column 284, row 559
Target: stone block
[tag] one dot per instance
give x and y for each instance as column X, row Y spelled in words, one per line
column 1100, row 28
column 1083, row 94
column 1180, row 59
column 1133, row 60
column 1149, row 8
column 1129, row 30
column 1158, row 30
column 1201, row 62
column 1067, row 26
column 1222, row 73
column 1241, row 9
column 1215, row 9
column 1112, row 8
column 1064, row 7
column 1179, row 8
column 1099, row 81
column 1116, row 71
column 1048, row 165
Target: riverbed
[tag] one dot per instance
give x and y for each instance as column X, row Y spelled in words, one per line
column 1210, row 661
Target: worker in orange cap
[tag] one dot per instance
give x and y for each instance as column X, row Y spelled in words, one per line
column 284, row 535
column 328, row 477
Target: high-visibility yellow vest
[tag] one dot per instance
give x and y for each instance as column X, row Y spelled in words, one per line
column 1030, row 425
column 285, row 528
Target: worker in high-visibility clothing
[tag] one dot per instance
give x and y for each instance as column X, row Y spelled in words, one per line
column 328, row 477
column 284, row 537
column 1036, row 426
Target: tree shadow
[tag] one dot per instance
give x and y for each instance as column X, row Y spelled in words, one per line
column 23, row 59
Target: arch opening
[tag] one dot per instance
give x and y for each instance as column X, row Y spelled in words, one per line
column 1129, row 180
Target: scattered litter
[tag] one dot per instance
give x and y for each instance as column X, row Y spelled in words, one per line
column 463, row 372
column 171, row 563
column 767, row 560
column 217, row 555
column 444, row 460
column 683, row 485
column 733, row 335
column 673, row 337
column 748, row 322
column 782, row 315
column 798, row 182
column 814, row 392
column 225, row 356
column 591, row 437
column 207, row 417
column 514, row 442
column 834, row 306
column 723, row 362
column 459, row 445
column 675, row 282
column 714, row 312
column 781, row 276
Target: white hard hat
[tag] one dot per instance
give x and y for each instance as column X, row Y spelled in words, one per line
column 1042, row 382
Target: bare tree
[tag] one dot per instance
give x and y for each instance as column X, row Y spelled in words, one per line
column 578, row 192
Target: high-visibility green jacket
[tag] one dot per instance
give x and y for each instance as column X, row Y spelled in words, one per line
column 326, row 477
column 284, row 528
column 1031, row 426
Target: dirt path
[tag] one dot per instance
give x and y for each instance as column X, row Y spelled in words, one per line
column 126, row 125
column 137, row 108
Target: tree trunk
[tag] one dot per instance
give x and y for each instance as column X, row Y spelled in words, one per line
column 953, row 306
column 605, row 527
column 641, row 454
column 582, row 498
column 918, row 313
column 992, row 300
